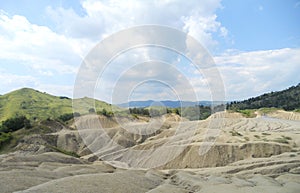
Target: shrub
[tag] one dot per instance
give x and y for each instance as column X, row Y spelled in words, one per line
column 286, row 137
column 66, row 117
column 106, row 113
column 76, row 114
column 15, row 123
column 247, row 113
column 4, row 138
column 91, row 110
column 281, row 140
column 235, row 133
column 266, row 134
column 257, row 136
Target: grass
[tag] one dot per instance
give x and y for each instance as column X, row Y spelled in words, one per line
column 268, row 110
column 5, row 138
column 38, row 105
column 248, row 113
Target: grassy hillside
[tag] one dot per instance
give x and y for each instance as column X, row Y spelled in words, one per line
column 35, row 104
column 288, row 99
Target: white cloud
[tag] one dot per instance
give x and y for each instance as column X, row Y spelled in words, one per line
column 10, row 82
column 37, row 46
column 57, row 90
column 49, row 52
column 59, row 50
column 105, row 17
column 249, row 74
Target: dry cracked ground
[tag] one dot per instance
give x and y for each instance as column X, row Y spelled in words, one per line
column 225, row 153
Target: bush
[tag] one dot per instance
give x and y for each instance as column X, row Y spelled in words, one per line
column 281, row 140
column 247, row 113
column 286, row 137
column 92, row 110
column 266, row 134
column 4, row 138
column 76, row 114
column 257, row 136
column 66, row 117
column 235, row 133
column 106, row 113
column 15, row 123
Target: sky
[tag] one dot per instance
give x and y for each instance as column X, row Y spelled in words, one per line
column 255, row 45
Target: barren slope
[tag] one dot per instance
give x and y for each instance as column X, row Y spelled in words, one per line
column 252, row 155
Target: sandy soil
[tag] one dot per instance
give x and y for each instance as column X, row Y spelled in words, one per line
column 243, row 155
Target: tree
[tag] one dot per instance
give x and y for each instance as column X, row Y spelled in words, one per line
column 91, row 110
column 15, row 123
column 66, row 117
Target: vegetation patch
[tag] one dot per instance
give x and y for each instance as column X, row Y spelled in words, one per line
column 273, row 99
column 266, row 134
column 14, row 124
column 268, row 110
column 248, row 113
column 286, row 137
column 235, row 133
column 281, row 140
column 66, row 117
column 257, row 136
column 246, row 138
column 57, row 149
column 5, row 138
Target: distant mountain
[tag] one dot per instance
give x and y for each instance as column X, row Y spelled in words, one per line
column 288, row 99
column 36, row 104
column 167, row 103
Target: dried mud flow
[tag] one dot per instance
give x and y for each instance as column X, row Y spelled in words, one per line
column 225, row 153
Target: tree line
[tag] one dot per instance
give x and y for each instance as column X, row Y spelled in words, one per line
column 288, row 99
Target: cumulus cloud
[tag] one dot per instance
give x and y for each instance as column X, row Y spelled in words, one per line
column 60, row 49
column 37, row 46
column 10, row 82
column 248, row 74
column 57, row 51
column 105, row 17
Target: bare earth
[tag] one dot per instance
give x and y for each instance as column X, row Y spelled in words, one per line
column 243, row 155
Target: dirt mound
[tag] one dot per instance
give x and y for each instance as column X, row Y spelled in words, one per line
column 224, row 154
column 52, row 172
column 145, row 144
column 285, row 115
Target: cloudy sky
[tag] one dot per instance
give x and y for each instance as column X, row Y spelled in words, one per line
column 255, row 45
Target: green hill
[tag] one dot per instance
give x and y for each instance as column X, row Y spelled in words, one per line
column 288, row 99
column 38, row 105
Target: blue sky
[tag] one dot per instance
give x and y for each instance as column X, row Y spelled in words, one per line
column 255, row 44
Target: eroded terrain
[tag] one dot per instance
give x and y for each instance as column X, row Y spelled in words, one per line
column 244, row 155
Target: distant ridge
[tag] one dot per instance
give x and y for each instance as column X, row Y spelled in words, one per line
column 288, row 99
column 167, row 103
